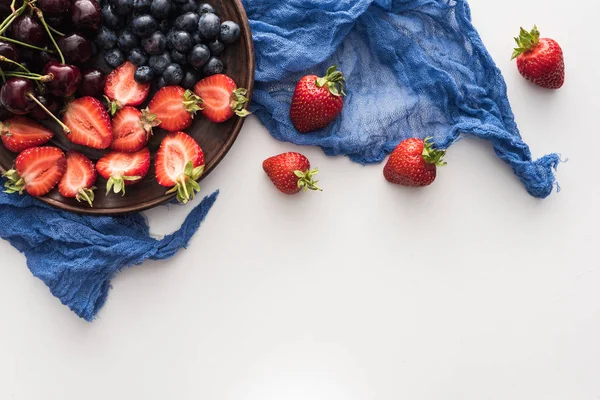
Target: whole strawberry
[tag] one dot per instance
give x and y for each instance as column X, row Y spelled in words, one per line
column 540, row 60
column 413, row 163
column 317, row 101
column 290, row 173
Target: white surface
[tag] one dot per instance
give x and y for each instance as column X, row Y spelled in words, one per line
column 469, row 289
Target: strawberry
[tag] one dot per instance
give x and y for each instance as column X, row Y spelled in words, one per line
column 122, row 90
column 539, row 60
column 179, row 164
column 413, row 163
column 19, row 133
column 175, row 107
column 79, row 178
column 132, row 129
column 37, row 170
column 123, row 169
column 290, row 173
column 88, row 122
column 317, row 101
column 221, row 98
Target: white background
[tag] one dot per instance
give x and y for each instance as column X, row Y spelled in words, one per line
column 468, row 289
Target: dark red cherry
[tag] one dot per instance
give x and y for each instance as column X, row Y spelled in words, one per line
column 75, row 48
column 86, row 14
column 13, row 95
column 54, row 7
column 92, row 82
column 9, row 51
column 28, row 29
column 4, row 113
column 67, row 78
column 48, row 101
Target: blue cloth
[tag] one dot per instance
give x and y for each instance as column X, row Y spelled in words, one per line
column 414, row 68
column 77, row 256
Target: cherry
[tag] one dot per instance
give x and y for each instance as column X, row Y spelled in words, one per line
column 67, row 78
column 54, row 7
column 75, row 48
column 28, row 29
column 13, row 95
column 86, row 14
column 9, row 51
column 92, row 82
column 4, row 113
column 48, row 101
column 36, row 57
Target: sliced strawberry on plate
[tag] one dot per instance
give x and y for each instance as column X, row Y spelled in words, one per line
column 179, row 164
column 37, row 170
column 88, row 122
column 221, row 98
column 132, row 129
column 174, row 107
column 122, row 90
column 123, row 169
column 20, row 133
column 79, row 178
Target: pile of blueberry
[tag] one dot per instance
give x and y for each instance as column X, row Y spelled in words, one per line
column 172, row 42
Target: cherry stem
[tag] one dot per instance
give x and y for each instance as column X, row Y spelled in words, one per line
column 11, row 18
column 55, row 31
column 40, row 15
column 65, row 128
column 2, row 74
column 8, row 60
column 6, row 39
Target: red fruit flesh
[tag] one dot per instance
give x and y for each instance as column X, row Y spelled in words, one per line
column 215, row 92
column 174, row 107
column 89, row 123
column 131, row 129
column 176, row 150
column 20, row 133
column 79, row 178
column 544, row 64
column 122, row 88
column 119, row 165
column 40, row 168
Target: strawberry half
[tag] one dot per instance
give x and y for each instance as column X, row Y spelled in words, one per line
column 123, row 169
column 179, row 164
column 79, row 178
column 221, row 98
column 37, row 171
column 175, row 107
column 132, row 129
column 122, row 90
column 88, row 122
column 20, row 133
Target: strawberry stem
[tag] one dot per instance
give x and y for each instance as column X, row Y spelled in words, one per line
column 186, row 186
column 14, row 183
column 65, row 128
column 432, row 155
column 191, row 102
column 526, row 41
column 239, row 101
column 334, row 80
column 306, row 181
column 87, row 195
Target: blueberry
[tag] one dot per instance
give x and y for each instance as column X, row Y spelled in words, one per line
column 160, row 8
column 158, row 63
column 155, row 44
column 122, row 7
column 209, row 26
column 205, row 8
column 197, row 38
column 161, row 82
column 178, row 57
column 230, row 32
column 182, row 41
column 213, row 66
column 114, row 57
column 112, row 20
column 141, row 6
column 127, row 41
column 198, row 56
column 143, row 74
column 188, row 6
column 187, row 22
column 190, row 78
column 144, row 25
column 216, row 47
column 180, row 1
column 105, row 38
column 173, row 74
column 138, row 57
column 164, row 26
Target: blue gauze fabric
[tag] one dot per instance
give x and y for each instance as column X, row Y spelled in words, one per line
column 414, row 68
column 77, row 256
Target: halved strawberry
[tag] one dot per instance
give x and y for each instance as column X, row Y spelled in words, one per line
column 79, row 178
column 132, row 129
column 221, row 98
column 20, row 133
column 179, row 164
column 37, row 170
column 174, row 107
column 122, row 90
column 123, row 169
column 89, row 123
